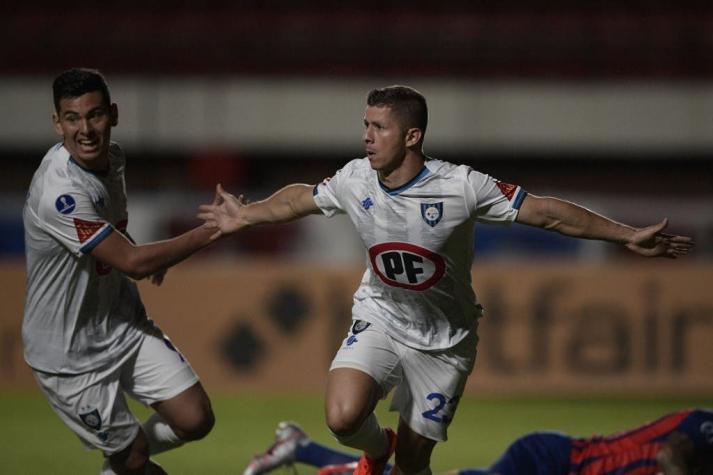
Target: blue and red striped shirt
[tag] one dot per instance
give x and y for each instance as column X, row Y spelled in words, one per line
column 632, row 452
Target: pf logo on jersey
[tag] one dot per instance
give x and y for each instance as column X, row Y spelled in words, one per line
column 406, row 265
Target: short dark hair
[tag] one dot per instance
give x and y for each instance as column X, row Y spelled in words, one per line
column 76, row 82
column 406, row 102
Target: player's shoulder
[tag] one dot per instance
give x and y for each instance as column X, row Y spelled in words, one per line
column 448, row 170
column 115, row 150
column 356, row 168
column 53, row 171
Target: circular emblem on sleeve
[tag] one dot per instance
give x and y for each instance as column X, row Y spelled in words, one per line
column 65, row 204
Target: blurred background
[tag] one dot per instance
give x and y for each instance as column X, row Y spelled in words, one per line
column 610, row 106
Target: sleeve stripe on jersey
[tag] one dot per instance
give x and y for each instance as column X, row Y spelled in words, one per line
column 519, row 197
column 97, row 238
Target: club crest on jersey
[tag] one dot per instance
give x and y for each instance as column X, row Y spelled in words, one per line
column 92, row 419
column 359, row 326
column 406, row 265
column 65, row 204
column 432, row 212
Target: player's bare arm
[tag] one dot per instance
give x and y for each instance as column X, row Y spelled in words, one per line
column 233, row 213
column 574, row 220
column 152, row 259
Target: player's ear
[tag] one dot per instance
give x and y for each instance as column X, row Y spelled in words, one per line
column 114, row 113
column 413, row 136
column 57, row 124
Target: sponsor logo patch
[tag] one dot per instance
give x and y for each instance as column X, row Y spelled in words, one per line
column 432, row 212
column 506, row 189
column 86, row 229
column 65, row 204
column 406, row 265
column 367, row 203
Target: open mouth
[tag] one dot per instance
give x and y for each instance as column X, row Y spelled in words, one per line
column 88, row 145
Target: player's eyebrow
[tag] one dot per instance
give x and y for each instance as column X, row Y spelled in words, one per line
column 91, row 112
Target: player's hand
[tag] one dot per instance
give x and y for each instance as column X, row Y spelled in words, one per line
column 652, row 242
column 225, row 213
column 157, row 278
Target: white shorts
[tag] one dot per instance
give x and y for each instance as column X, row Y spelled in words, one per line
column 428, row 384
column 93, row 404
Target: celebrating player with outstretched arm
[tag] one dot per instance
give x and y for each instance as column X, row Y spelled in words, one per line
column 415, row 315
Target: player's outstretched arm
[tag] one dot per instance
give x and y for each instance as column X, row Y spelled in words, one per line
column 232, row 213
column 152, row 259
column 574, row 220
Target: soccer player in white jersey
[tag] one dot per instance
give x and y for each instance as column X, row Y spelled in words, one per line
column 415, row 314
column 85, row 332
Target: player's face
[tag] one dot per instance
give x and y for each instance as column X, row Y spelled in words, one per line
column 85, row 122
column 385, row 139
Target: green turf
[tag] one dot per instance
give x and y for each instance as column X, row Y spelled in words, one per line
column 34, row 441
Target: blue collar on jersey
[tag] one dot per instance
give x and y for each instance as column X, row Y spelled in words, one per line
column 409, row 184
column 93, row 172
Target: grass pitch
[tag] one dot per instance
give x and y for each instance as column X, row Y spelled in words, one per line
column 33, row 440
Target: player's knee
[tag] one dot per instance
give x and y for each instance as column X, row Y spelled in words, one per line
column 196, row 425
column 343, row 418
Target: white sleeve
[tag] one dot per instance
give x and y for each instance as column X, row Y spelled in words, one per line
column 70, row 217
column 491, row 200
column 327, row 193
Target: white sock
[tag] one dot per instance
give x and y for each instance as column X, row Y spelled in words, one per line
column 160, row 435
column 106, row 468
column 370, row 438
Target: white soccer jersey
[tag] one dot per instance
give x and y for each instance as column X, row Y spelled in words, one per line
column 419, row 243
column 79, row 313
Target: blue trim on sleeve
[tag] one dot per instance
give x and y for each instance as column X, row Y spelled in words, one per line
column 519, row 199
column 99, row 237
column 409, row 184
column 315, row 190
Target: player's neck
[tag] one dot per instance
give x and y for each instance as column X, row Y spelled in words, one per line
column 404, row 173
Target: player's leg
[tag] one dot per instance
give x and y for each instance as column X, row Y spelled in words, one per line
column 163, row 379
column 426, row 400
column 349, row 408
column 133, row 459
column 189, row 414
column 365, row 368
column 293, row 445
column 538, row 453
column 93, row 406
column 413, row 451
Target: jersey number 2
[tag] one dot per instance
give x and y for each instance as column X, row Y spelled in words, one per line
column 441, row 402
